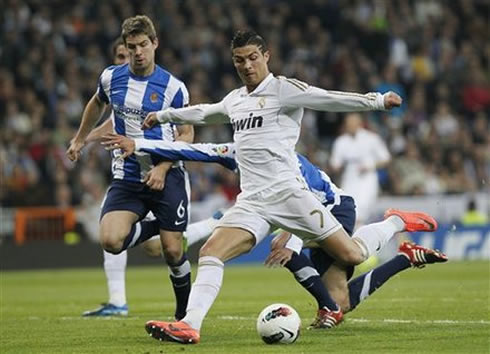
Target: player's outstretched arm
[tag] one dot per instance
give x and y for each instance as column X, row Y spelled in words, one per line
column 91, row 114
column 295, row 93
column 196, row 115
column 223, row 154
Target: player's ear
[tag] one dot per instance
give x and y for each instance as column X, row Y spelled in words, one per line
column 155, row 43
column 267, row 56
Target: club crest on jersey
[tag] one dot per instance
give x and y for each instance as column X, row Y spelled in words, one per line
column 221, row 150
column 154, row 97
column 261, row 102
column 248, row 123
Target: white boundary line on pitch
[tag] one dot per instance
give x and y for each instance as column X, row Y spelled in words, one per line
column 386, row 320
column 247, row 318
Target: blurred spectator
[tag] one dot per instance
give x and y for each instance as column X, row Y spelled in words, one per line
column 408, row 173
column 472, row 216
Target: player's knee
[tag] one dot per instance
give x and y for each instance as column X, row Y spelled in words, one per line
column 351, row 257
column 110, row 240
column 172, row 252
column 112, row 247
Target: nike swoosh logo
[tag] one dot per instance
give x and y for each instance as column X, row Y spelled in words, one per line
column 291, row 334
column 179, row 222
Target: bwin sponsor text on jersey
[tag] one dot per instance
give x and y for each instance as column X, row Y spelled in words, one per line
column 248, row 123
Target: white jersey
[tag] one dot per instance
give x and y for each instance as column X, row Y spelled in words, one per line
column 266, row 125
column 359, row 154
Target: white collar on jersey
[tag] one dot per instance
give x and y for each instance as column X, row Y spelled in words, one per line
column 259, row 88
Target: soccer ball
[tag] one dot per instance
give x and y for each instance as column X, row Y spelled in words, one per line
column 278, row 323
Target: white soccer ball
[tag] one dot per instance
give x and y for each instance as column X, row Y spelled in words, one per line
column 278, row 323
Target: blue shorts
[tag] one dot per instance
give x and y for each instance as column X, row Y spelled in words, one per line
column 345, row 213
column 170, row 206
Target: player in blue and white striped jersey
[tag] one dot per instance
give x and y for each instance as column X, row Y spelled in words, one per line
column 132, row 90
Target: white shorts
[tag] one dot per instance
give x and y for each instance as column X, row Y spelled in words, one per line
column 295, row 210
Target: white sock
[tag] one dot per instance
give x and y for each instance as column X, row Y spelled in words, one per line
column 204, row 290
column 371, row 238
column 200, row 230
column 115, row 271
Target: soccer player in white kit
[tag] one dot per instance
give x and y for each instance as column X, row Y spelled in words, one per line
column 266, row 116
column 358, row 153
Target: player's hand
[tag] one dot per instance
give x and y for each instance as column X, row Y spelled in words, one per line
column 391, row 100
column 155, row 178
column 75, row 149
column 279, row 257
column 280, row 240
column 150, row 120
column 113, row 141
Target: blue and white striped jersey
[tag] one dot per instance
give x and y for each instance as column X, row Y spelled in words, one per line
column 132, row 98
column 317, row 181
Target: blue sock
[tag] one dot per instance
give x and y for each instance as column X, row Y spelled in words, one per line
column 140, row 232
column 367, row 283
column 180, row 276
column 305, row 273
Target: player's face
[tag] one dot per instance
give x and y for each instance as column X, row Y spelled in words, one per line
column 122, row 55
column 352, row 123
column 251, row 65
column 141, row 53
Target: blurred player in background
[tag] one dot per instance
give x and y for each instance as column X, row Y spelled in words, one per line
column 357, row 154
column 266, row 116
column 132, row 90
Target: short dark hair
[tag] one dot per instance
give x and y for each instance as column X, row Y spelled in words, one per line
column 139, row 24
column 248, row 37
column 119, row 41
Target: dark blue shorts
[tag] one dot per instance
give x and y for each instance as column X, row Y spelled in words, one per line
column 169, row 205
column 345, row 213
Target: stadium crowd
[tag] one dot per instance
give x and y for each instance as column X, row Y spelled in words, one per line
column 433, row 53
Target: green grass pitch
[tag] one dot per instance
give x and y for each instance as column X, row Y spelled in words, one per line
column 439, row 309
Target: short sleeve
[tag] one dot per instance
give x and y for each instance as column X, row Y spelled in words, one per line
column 181, row 97
column 104, row 85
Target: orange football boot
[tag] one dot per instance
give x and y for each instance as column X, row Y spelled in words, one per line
column 179, row 332
column 414, row 221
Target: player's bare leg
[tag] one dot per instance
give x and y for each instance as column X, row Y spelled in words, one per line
column 225, row 243
column 152, row 247
column 114, row 228
column 369, row 239
column 120, row 230
column 341, row 247
column 335, row 280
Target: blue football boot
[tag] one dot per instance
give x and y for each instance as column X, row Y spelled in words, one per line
column 108, row 310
